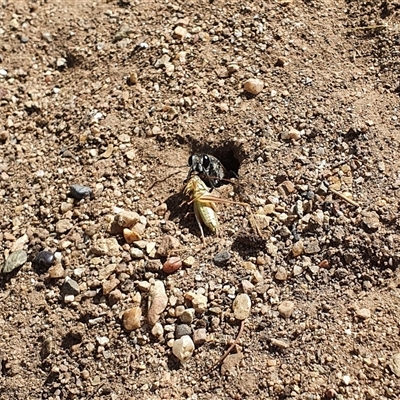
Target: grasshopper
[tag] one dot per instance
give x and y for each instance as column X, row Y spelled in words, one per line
column 204, row 205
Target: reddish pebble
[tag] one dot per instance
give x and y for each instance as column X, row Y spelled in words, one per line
column 172, row 264
column 324, row 264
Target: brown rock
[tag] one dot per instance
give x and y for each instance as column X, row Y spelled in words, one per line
column 131, row 318
column 286, row 308
column 158, row 301
column 167, row 245
column 110, row 285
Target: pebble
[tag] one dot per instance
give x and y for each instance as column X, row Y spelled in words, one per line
column 298, row 248
column 157, row 331
column 110, row 285
column 127, row 219
column 363, row 313
column 272, row 250
column 241, row 306
column 297, row 270
column 70, row 287
column 281, row 274
column 182, row 330
column 158, row 301
column 200, row 336
column 222, row 257
column 183, row 348
column 56, row 271
column 153, row 265
column 131, row 318
column 346, row 380
column 199, row 301
column 14, row 261
column 63, row 225
column 180, row 32
column 253, row 86
column 247, row 286
column 102, row 340
column 3, row 72
column 136, row 253
column 79, row 192
column 44, row 259
column 167, row 244
column 19, row 243
column 187, row 316
column 115, row 297
column 172, row 265
column 189, row 261
column 105, row 247
column 371, row 220
column 312, row 247
column 131, row 236
column 279, row 343
column 394, row 364
column 286, row 308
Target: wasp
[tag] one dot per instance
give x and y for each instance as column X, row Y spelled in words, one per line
column 209, row 169
column 204, row 205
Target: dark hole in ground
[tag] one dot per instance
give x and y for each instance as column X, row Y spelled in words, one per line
column 227, row 153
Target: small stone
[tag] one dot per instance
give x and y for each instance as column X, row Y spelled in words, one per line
column 20, row 243
column 241, row 306
column 199, row 302
column 279, row 343
column 371, row 220
column 222, row 257
column 65, row 207
column 346, row 380
column 56, row 271
column 136, row 253
column 312, row 247
column 167, row 245
column 158, row 301
column 102, row 340
column 131, row 318
column 180, row 32
column 131, row 236
column 187, row 316
column 288, row 187
column 363, row 313
column 14, row 261
column 281, row 274
column 294, row 134
column 115, row 297
column 44, row 259
column 286, row 308
column 172, row 265
column 297, row 270
column 183, row 348
column 394, row 364
column 272, row 250
column 143, row 286
column 105, row 247
column 182, row 330
column 157, row 331
column 370, row 393
column 110, row 285
column 63, row 226
column 47, row 348
column 154, row 265
column 247, row 286
column 200, row 336
column 80, row 192
column 298, row 248
column 253, row 86
column 127, row 219
column 189, row 261
column 70, row 287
